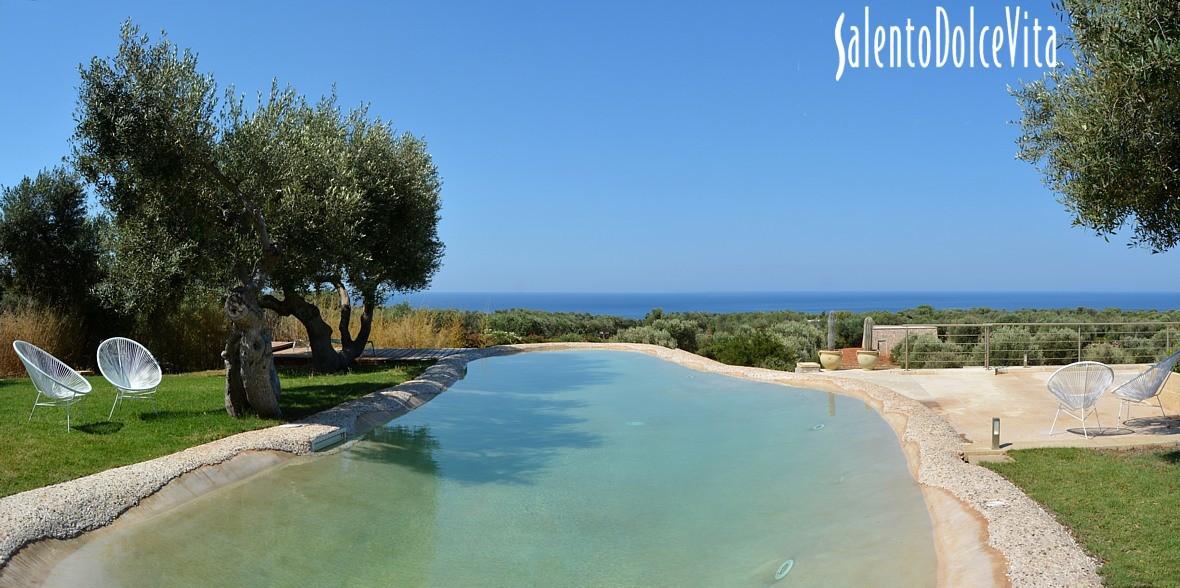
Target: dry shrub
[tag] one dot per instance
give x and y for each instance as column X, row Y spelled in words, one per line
column 52, row 331
column 418, row 328
column 392, row 327
column 190, row 337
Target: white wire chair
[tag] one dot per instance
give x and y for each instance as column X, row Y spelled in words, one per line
column 1077, row 388
column 1144, row 387
column 55, row 381
column 130, row 368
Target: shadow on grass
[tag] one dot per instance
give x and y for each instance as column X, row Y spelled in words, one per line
column 172, row 415
column 1172, row 457
column 100, row 428
column 298, row 402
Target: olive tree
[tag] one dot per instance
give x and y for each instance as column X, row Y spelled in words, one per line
column 49, row 245
column 1105, row 131
column 263, row 204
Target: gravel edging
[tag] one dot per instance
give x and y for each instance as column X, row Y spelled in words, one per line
column 1038, row 551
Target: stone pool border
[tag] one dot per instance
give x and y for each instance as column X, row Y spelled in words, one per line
column 1036, row 550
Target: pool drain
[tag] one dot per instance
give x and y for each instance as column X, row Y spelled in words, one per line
column 818, row 427
column 784, row 569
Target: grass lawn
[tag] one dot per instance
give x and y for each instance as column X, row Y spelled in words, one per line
column 191, row 412
column 1123, row 505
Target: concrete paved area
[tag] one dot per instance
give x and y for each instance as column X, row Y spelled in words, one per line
column 970, row 397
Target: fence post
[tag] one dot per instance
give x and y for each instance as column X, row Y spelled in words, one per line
column 1079, row 342
column 906, row 336
column 1167, row 338
column 987, row 346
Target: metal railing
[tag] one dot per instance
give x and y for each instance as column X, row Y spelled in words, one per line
column 1027, row 344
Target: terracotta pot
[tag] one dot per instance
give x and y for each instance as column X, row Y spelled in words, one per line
column 867, row 359
column 829, row 359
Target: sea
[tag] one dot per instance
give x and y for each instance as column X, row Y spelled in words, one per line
column 636, row 305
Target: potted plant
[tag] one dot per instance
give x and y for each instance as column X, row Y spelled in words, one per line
column 867, row 357
column 829, row 357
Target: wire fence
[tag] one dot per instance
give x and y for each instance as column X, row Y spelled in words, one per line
column 1028, row 344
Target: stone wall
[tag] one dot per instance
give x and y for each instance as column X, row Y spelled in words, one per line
column 885, row 337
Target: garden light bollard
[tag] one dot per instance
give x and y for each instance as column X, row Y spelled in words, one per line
column 995, row 432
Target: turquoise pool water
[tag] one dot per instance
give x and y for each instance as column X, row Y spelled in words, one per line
column 572, row 468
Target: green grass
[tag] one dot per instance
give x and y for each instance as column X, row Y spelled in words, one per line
column 1122, row 505
column 191, row 412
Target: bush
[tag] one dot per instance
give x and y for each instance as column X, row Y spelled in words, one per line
column 1107, row 353
column 647, row 334
column 928, row 351
column 802, row 340
column 750, row 347
column 540, row 325
column 1056, row 346
column 682, row 330
column 491, row 338
column 1010, row 345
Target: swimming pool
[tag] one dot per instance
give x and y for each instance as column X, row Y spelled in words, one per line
column 563, row 468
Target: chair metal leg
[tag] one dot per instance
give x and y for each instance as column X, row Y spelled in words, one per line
column 1161, row 404
column 118, row 395
column 1054, row 425
column 68, row 405
column 35, row 401
column 1096, row 419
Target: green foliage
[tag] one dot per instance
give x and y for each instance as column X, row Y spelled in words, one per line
column 682, row 330
column 536, row 325
column 1106, row 130
column 493, row 337
column 1010, row 345
column 1107, row 353
column 49, row 245
column 646, row 334
column 1056, row 346
column 200, row 188
column 801, row 340
column 928, row 351
column 751, row 347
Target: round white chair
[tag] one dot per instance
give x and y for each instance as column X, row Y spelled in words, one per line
column 57, row 384
column 130, row 368
column 1077, row 388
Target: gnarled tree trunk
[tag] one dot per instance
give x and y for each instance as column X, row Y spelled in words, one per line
column 251, row 381
column 324, row 356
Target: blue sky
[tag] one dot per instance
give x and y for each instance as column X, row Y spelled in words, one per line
column 637, row 146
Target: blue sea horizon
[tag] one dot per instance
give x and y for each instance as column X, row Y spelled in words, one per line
column 636, row 305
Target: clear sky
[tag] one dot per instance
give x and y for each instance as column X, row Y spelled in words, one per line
column 637, row 146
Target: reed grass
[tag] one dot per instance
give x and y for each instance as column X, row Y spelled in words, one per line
column 54, row 332
column 396, row 326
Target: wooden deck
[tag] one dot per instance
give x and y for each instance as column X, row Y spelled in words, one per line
column 287, row 354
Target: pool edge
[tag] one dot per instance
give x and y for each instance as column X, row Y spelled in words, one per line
column 985, row 529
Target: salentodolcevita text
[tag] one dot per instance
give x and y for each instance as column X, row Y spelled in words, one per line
column 1014, row 41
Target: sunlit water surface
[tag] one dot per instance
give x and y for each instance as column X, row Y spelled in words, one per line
column 572, row 468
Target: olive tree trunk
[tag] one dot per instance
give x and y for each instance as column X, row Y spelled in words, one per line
column 251, row 381
column 324, row 355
